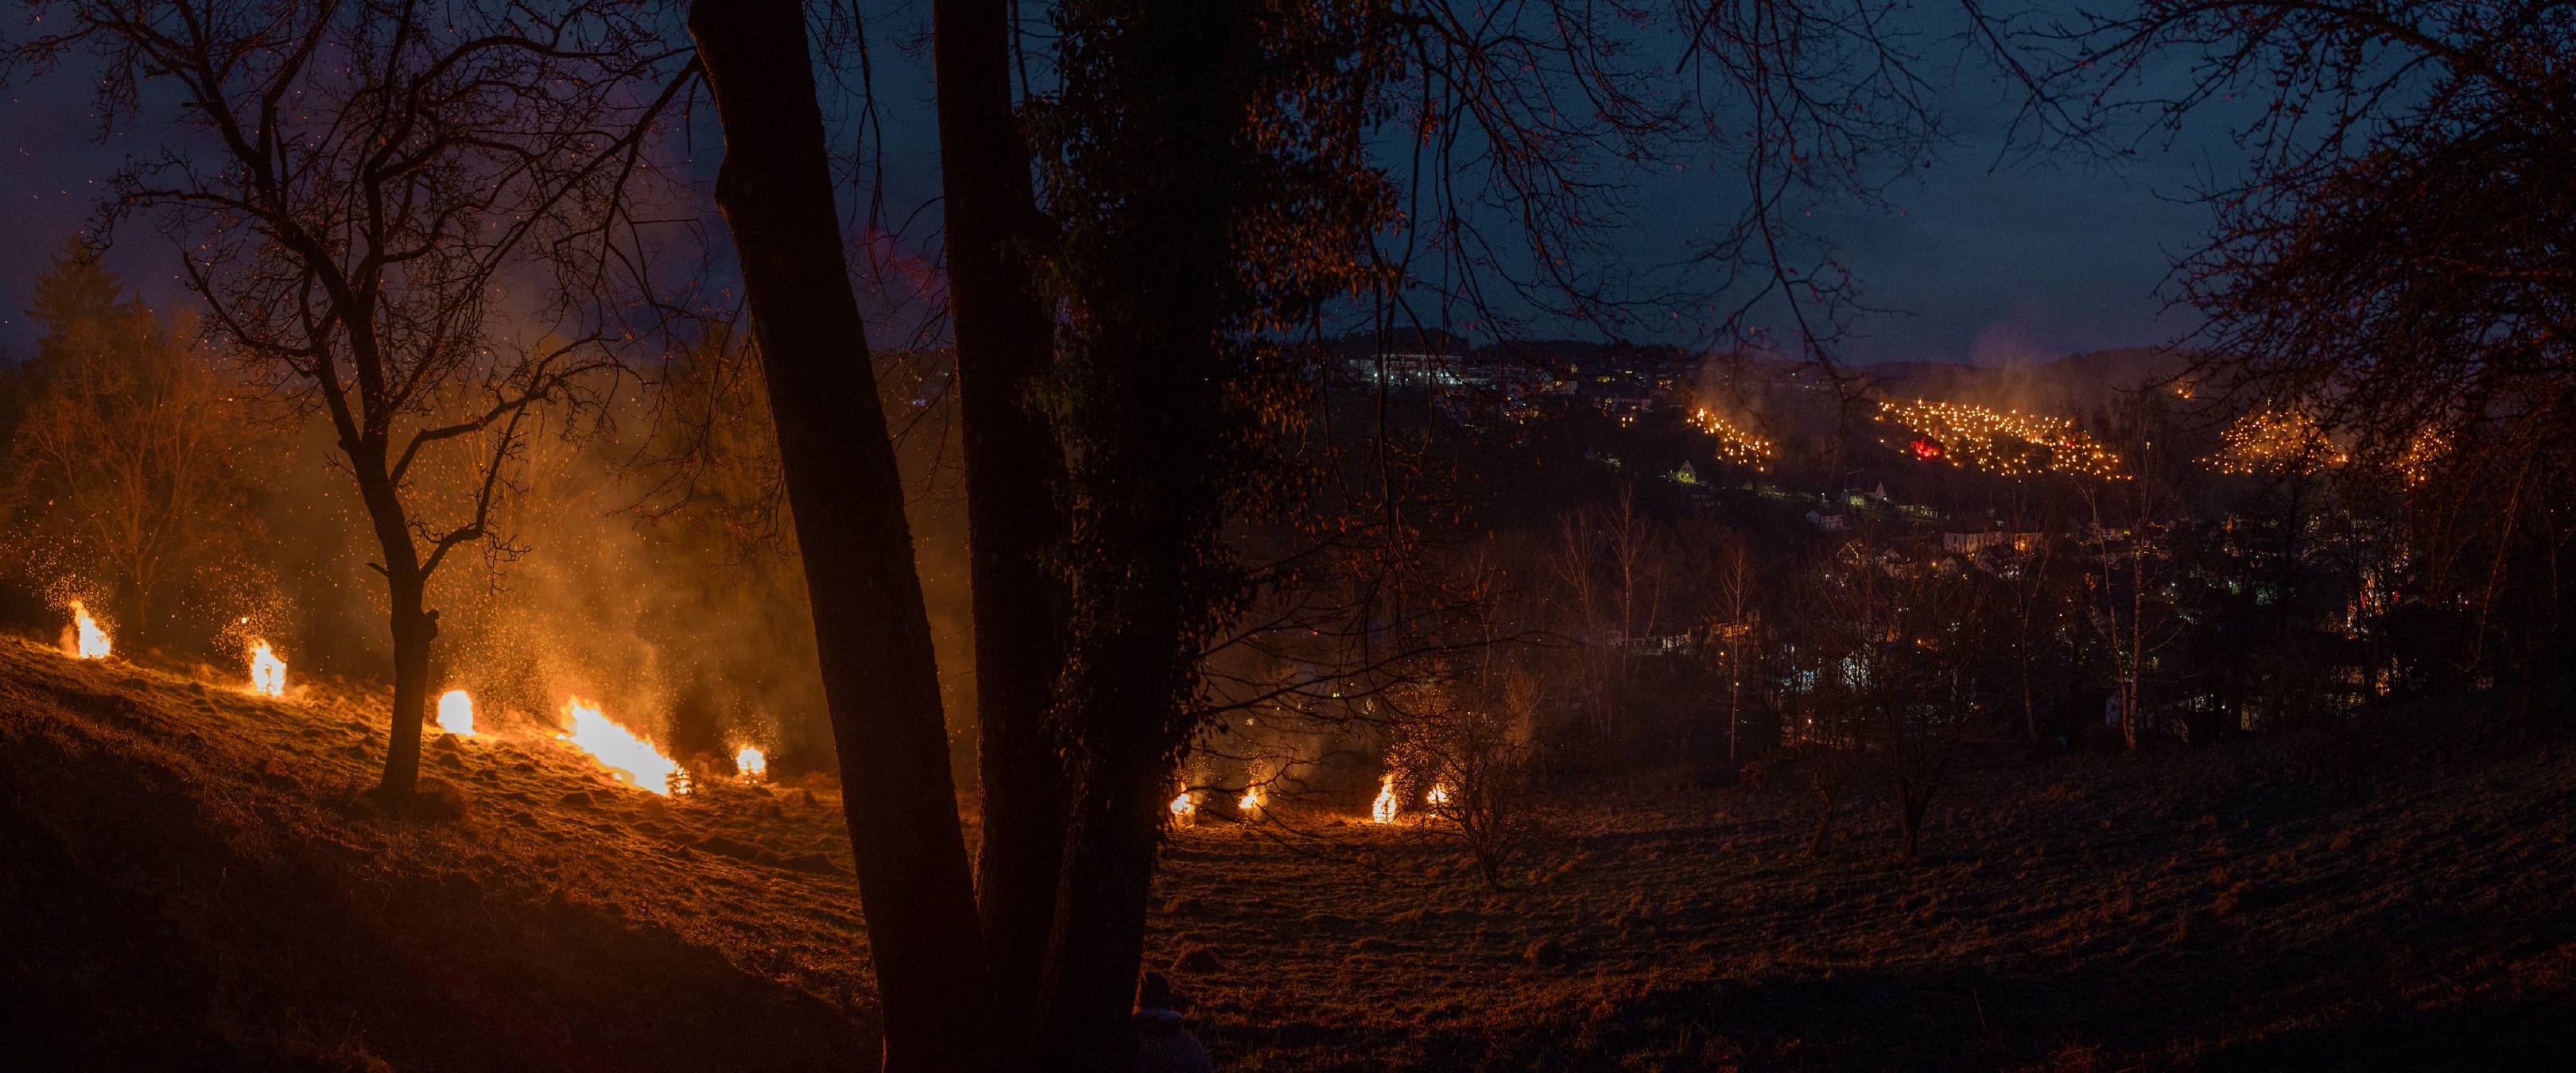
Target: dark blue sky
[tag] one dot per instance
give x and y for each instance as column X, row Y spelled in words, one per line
column 1986, row 256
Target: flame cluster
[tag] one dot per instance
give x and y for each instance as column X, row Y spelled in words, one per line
column 2275, row 440
column 86, row 639
column 2005, row 443
column 632, row 760
column 267, row 671
column 456, row 713
column 1384, row 808
column 1735, row 446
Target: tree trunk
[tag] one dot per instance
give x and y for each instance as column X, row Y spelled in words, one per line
column 1828, row 798
column 412, row 625
column 1005, row 338
column 1099, row 939
column 880, row 680
column 413, row 629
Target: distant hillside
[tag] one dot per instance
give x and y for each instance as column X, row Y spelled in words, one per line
column 2077, row 383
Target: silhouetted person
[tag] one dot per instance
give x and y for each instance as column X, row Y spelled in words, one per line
column 1162, row 1045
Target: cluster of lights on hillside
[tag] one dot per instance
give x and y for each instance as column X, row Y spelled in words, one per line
column 2005, row 443
column 1735, row 446
column 2275, row 440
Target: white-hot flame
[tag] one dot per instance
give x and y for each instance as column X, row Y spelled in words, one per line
column 1183, row 809
column 1250, row 802
column 1439, row 795
column 267, row 671
column 751, row 763
column 1383, row 810
column 456, row 713
column 86, row 639
column 632, row 759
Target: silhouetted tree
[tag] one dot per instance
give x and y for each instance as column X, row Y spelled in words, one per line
column 872, row 634
column 409, row 219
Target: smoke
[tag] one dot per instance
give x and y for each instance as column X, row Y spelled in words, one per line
column 641, row 556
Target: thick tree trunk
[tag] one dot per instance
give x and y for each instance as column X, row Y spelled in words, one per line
column 1005, row 338
column 1090, row 980
column 879, row 678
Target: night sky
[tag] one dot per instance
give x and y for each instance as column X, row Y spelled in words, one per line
column 1992, row 255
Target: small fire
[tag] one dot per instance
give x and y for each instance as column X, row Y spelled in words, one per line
column 1250, row 802
column 1383, row 809
column 86, row 639
column 456, row 713
column 267, row 671
column 634, row 760
column 1184, row 810
column 1439, row 795
column 751, row 764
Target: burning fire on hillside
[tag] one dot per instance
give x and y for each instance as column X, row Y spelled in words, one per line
column 1734, row 445
column 631, row 759
column 84, row 638
column 1383, row 809
column 2005, row 443
column 1184, row 810
column 751, row 764
column 267, row 670
column 456, row 713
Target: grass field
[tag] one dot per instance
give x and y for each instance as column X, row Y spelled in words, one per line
column 189, row 879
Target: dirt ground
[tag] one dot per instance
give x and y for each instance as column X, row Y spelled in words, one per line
column 193, row 881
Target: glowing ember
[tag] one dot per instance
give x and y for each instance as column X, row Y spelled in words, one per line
column 1383, row 809
column 1183, row 809
column 1439, row 795
column 751, row 763
column 267, row 672
column 86, row 639
column 456, row 713
column 633, row 760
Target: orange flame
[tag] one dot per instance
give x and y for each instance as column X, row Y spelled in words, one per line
column 1251, row 801
column 456, row 713
column 1439, row 795
column 751, row 763
column 1383, row 809
column 1184, row 810
column 267, row 671
column 86, row 639
column 633, row 760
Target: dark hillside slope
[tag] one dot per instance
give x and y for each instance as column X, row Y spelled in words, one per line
column 188, row 880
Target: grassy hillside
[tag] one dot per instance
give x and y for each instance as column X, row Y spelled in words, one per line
column 189, row 879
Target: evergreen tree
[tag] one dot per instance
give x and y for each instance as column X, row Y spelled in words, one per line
column 76, row 293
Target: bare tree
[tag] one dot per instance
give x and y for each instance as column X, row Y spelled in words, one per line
column 407, row 217
column 2390, row 264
